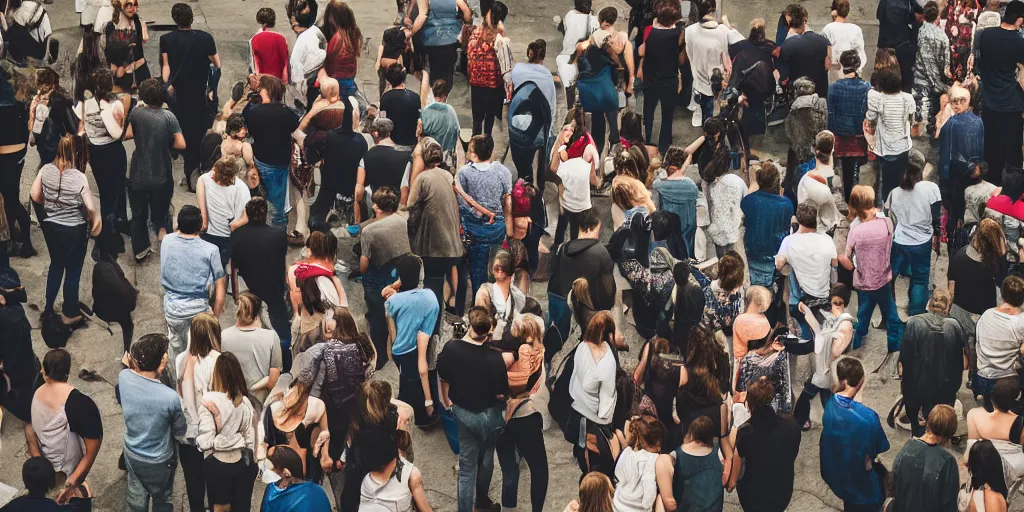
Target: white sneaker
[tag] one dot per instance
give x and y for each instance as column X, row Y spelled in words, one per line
column 693, row 104
column 698, row 118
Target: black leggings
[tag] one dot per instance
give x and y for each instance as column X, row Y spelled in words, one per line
column 487, row 104
column 109, row 163
column 11, row 166
column 667, row 96
column 441, row 60
column 597, row 121
column 523, row 435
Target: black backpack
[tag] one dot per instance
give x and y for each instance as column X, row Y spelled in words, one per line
column 558, row 385
column 55, row 332
column 113, row 296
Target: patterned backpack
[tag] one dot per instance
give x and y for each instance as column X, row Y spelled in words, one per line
column 482, row 59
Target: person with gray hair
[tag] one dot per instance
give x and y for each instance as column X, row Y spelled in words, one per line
column 383, row 165
column 808, row 115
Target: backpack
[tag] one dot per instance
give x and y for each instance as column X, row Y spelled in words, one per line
column 522, row 195
column 345, row 372
column 482, row 60
column 558, row 385
column 757, row 82
column 113, row 296
column 55, row 332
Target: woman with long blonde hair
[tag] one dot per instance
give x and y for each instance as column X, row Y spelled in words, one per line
column 299, row 421
column 596, row 492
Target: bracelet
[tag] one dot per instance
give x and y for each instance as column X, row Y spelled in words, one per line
column 428, row 403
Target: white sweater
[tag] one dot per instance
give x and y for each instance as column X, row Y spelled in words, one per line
column 237, row 430
column 592, row 386
column 637, row 489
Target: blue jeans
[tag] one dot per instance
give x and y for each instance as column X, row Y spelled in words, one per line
column 707, row 106
column 920, row 259
column 275, row 181
column 148, row 481
column 866, row 302
column 67, row 256
column 483, row 236
column 478, row 435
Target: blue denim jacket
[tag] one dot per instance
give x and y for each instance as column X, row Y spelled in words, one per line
column 962, row 140
column 680, row 197
column 847, row 105
column 443, row 25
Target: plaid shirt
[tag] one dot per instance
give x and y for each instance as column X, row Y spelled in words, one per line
column 962, row 140
column 847, row 105
column 932, row 59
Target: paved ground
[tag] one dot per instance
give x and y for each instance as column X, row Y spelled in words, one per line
column 232, row 23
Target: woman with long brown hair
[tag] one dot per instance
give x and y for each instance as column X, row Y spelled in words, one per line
column 372, row 438
column 592, row 388
column 221, row 196
column 299, row 421
column 489, row 56
column 257, row 348
column 596, row 492
column 67, row 215
column 344, row 44
column 703, row 381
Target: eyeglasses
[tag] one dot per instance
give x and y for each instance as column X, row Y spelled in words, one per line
column 498, row 269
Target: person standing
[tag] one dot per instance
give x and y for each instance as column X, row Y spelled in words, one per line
column 897, row 29
column 961, row 17
column 382, row 166
column 186, row 57
column 150, row 179
column 871, row 243
column 188, row 264
column 847, row 106
column 67, row 426
column 916, row 209
column 269, row 49
column 14, row 114
column 925, row 476
column 811, row 256
column 851, row 441
column 832, row 336
column 767, row 213
column 485, row 198
column 382, row 241
column 707, row 48
column 805, row 53
column 661, row 57
column 258, row 255
column 843, row 37
column 343, row 148
column 222, row 197
column 474, row 384
column 257, row 349
column 344, row 44
column 1000, row 332
column 131, row 33
column 105, row 118
column 401, row 106
column 931, row 69
column 594, row 395
column 412, row 314
column 441, row 22
column 68, row 216
column 489, row 57
column 153, row 422
column 961, row 146
column 997, row 54
column 932, row 359
column 890, row 113
column 815, row 188
column 271, row 125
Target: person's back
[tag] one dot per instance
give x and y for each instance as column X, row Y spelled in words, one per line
column 385, row 165
column 187, row 265
column 441, row 121
column 258, row 253
column 402, row 106
column 999, row 338
column 589, row 259
column 810, row 255
column 847, row 104
column 851, row 436
column 769, row 445
column 925, row 477
column 188, row 53
column 487, row 183
column 706, row 42
column 769, row 217
column 679, row 196
column 343, row 150
column 152, row 417
column 804, row 56
column 270, row 53
column 438, row 233
column 153, row 129
column 257, row 350
column 931, row 355
column 998, row 51
column 475, row 374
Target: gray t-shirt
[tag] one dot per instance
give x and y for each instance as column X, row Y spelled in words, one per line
column 224, row 204
column 63, row 195
column 385, row 239
column 153, row 129
column 487, row 183
column 188, row 265
column 257, row 350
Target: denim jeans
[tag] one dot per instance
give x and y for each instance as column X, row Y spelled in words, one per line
column 483, row 236
column 707, row 106
column 373, row 282
column 866, row 302
column 599, row 124
column 275, row 181
column 920, row 259
column 177, row 335
column 67, row 256
column 148, row 481
column 478, row 435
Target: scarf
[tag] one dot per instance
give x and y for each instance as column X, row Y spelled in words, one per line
column 307, row 270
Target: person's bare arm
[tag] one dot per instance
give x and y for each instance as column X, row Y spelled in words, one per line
column 424, row 90
column 77, row 477
column 392, row 330
column 507, row 207
column 129, row 132
column 664, row 470
column 364, row 264
column 422, row 341
column 165, row 68
column 215, row 60
column 467, row 14
column 36, row 192
column 219, row 289
column 419, row 494
column 239, row 222
column 641, row 365
column 360, row 192
column 421, row 18
column 846, row 262
column 275, row 375
column 91, row 211
column 952, row 290
column 201, row 201
column 734, row 472
column 780, row 262
column 483, row 298
column 828, row 58
column 845, row 337
column 179, row 141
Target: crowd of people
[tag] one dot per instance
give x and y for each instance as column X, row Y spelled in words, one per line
column 736, row 272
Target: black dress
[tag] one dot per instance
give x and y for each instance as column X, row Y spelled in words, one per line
column 303, row 436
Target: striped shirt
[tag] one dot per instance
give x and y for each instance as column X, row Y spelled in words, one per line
column 891, row 114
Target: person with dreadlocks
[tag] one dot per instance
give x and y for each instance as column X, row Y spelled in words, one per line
column 724, row 189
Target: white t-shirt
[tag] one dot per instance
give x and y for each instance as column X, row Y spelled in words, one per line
column 308, row 54
column 845, row 36
column 810, row 255
column 913, row 212
column 812, row 191
column 223, row 204
column 575, row 175
column 705, row 44
column 891, row 114
column 999, row 340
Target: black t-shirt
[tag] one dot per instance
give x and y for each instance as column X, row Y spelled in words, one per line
column 475, row 375
column 271, row 127
column 343, row 149
column 661, row 64
column 975, row 289
column 188, row 55
column 402, row 107
column 83, row 415
column 896, row 22
column 589, row 259
column 768, row 445
column 1001, row 50
column 804, row 55
column 385, row 166
column 258, row 252
column 34, row 504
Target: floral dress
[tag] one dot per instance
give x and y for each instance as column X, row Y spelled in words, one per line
column 720, row 306
column 960, row 20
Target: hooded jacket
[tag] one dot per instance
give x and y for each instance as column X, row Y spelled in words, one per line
column 587, row 258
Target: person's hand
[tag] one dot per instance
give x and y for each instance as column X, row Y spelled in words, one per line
column 726, row 469
column 32, row 139
column 490, row 218
column 802, row 307
column 935, row 244
column 743, row 100
column 430, row 410
column 565, row 133
column 68, row 492
column 574, row 506
column 387, row 292
column 629, row 89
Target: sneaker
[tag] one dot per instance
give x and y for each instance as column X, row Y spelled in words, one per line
column 485, row 504
column 698, row 119
column 27, row 251
column 140, row 257
column 295, row 239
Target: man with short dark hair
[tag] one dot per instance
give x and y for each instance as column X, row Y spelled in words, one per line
column 474, row 385
column 810, row 257
column 39, row 479
column 997, row 53
column 382, row 166
column 1000, row 340
column 187, row 265
column 931, row 69
column 153, row 422
column 485, row 200
column 925, row 476
column 805, row 53
column 271, row 125
column 381, row 242
column 897, row 25
column 150, row 179
column 438, row 119
column 258, row 255
column 851, row 441
column 401, row 106
column 186, row 56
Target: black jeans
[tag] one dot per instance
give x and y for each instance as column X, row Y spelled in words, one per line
column 191, row 460
column 410, row 390
column 148, row 204
column 802, row 410
column 523, row 435
column 127, row 329
column 906, row 54
column 570, row 219
column 570, row 97
column 441, row 60
column 280, row 320
column 435, row 272
column 194, row 119
column 851, row 174
column 667, row 96
column 597, row 121
column 66, row 245
column 925, row 409
column 230, row 483
column 11, row 166
column 109, row 163
column 486, row 103
column 891, row 169
column 1003, row 133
